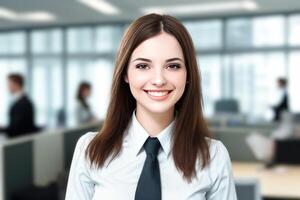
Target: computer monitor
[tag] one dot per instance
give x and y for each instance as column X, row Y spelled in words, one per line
column 248, row 189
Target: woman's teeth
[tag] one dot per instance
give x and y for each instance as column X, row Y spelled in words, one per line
column 158, row 94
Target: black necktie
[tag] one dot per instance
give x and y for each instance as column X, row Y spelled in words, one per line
column 148, row 187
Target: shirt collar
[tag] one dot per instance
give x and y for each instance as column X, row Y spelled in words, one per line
column 138, row 135
column 17, row 96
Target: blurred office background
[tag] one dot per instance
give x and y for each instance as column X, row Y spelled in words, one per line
column 242, row 46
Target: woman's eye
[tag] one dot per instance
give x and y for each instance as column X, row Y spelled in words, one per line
column 142, row 66
column 173, row 66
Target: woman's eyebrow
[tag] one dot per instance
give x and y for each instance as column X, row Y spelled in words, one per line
column 142, row 59
column 148, row 60
column 174, row 59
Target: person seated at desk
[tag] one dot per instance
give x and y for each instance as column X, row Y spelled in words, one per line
column 21, row 112
column 83, row 110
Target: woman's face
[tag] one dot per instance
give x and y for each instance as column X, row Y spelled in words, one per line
column 157, row 73
column 86, row 92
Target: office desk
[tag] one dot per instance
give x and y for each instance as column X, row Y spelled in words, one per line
column 3, row 137
column 282, row 181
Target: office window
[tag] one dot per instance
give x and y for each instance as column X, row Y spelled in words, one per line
column 239, row 32
column 255, row 32
column 250, row 75
column 80, row 40
column 12, row 43
column 99, row 74
column 252, row 81
column 108, row 38
column 205, row 34
column 47, row 90
column 210, row 70
column 46, row 41
column 294, row 81
column 268, row 31
column 8, row 66
column 294, row 30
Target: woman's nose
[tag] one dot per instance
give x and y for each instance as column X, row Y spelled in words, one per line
column 158, row 78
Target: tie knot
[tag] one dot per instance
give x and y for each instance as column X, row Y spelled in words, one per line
column 152, row 146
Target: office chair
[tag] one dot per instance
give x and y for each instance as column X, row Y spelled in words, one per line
column 61, row 117
column 287, row 151
column 227, row 106
column 248, row 189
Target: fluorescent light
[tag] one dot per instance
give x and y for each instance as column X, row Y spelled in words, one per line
column 39, row 16
column 7, row 14
column 101, row 6
column 249, row 5
column 202, row 8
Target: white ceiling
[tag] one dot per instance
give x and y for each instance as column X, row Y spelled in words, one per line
column 72, row 12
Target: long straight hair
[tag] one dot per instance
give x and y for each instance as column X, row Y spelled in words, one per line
column 189, row 142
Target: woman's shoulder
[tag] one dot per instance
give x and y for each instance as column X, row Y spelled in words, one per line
column 85, row 139
column 217, row 150
column 79, row 158
column 219, row 167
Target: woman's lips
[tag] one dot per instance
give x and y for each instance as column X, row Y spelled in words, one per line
column 158, row 94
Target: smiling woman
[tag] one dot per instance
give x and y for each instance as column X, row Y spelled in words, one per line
column 154, row 143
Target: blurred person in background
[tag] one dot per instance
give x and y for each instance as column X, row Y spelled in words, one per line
column 83, row 109
column 283, row 100
column 21, row 112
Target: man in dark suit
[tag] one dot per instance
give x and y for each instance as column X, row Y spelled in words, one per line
column 283, row 104
column 21, row 113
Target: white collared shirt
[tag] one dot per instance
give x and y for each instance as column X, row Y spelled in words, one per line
column 118, row 179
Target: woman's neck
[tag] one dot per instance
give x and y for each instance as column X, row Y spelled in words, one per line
column 154, row 123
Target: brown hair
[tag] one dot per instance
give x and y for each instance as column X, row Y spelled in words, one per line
column 188, row 139
column 16, row 78
column 83, row 86
column 282, row 82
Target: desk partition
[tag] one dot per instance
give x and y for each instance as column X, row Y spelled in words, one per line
column 235, row 141
column 18, row 167
column 70, row 138
column 37, row 159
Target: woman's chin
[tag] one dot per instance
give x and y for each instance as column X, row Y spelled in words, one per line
column 159, row 109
